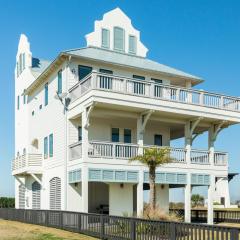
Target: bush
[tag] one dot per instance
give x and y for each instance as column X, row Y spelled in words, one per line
column 158, row 214
column 6, row 202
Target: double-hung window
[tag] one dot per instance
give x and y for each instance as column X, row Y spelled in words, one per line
column 119, row 39
column 46, row 94
column 132, row 44
column 51, row 145
column 115, row 134
column 127, row 136
column 83, row 71
column 105, row 38
column 59, row 82
column 45, row 147
column 158, row 140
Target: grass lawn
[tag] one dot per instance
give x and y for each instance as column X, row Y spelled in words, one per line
column 10, row 230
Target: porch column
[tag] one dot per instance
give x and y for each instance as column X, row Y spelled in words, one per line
column 188, row 142
column 211, row 188
column 187, row 199
column 140, row 135
column 211, row 140
column 84, row 189
column 84, row 169
column 140, row 193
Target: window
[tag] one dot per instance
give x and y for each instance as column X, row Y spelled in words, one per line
column 158, row 140
column 115, row 134
column 83, row 71
column 119, row 39
column 132, row 42
column 33, row 113
column 79, row 133
column 105, row 38
column 18, row 102
column 50, row 145
column 127, row 136
column 158, row 90
column 46, row 147
column 159, row 81
column 138, row 87
column 60, row 82
column 46, row 94
column 105, row 81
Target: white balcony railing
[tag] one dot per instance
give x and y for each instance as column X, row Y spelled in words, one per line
column 126, row 151
column 153, row 90
column 27, row 161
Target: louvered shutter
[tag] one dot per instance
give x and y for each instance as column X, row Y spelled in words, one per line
column 105, row 38
column 132, row 45
column 119, row 39
column 21, row 196
column 55, row 194
column 36, row 195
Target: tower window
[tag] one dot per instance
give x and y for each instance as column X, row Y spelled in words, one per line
column 132, row 44
column 105, row 38
column 119, row 39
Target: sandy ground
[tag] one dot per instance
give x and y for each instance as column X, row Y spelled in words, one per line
column 10, row 230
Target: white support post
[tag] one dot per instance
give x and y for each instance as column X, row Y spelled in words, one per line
column 187, row 199
column 140, row 193
column 211, row 140
column 85, row 159
column 140, row 136
column 211, row 188
column 188, row 142
column 85, row 189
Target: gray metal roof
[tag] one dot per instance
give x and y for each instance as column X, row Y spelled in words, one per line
column 113, row 57
column 39, row 66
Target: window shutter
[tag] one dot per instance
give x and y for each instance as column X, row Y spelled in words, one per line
column 21, row 196
column 60, row 82
column 55, row 193
column 105, row 38
column 36, row 195
column 132, row 45
column 46, row 94
column 50, row 145
column 45, row 147
column 119, row 39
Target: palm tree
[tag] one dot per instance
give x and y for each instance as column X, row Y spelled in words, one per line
column 153, row 157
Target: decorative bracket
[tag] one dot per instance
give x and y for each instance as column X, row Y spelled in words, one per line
column 88, row 112
column 193, row 124
column 36, row 178
column 217, row 128
column 145, row 117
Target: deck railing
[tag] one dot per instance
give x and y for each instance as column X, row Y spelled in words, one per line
column 129, row 150
column 154, row 90
column 124, row 228
column 27, row 160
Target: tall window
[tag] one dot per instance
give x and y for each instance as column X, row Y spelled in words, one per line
column 115, row 134
column 127, row 136
column 79, row 133
column 46, row 94
column 46, row 147
column 18, row 102
column 132, row 42
column 60, row 82
column 106, row 81
column 50, row 145
column 158, row 140
column 138, row 87
column 119, row 39
column 83, row 71
column 105, row 38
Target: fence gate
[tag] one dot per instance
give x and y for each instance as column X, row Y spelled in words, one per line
column 36, row 195
column 55, row 193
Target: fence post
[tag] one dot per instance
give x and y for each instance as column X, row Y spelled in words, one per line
column 46, row 218
column 133, row 229
column 235, row 233
column 79, row 222
column 102, row 228
column 61, row 220
column 172, row 231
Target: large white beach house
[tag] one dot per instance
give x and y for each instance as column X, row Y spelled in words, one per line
column 80, row 117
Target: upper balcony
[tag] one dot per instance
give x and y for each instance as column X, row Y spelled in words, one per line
column 123, row 151
column 170, row 97
column 27, row 164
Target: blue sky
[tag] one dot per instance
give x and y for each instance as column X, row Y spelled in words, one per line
column 200, row 37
